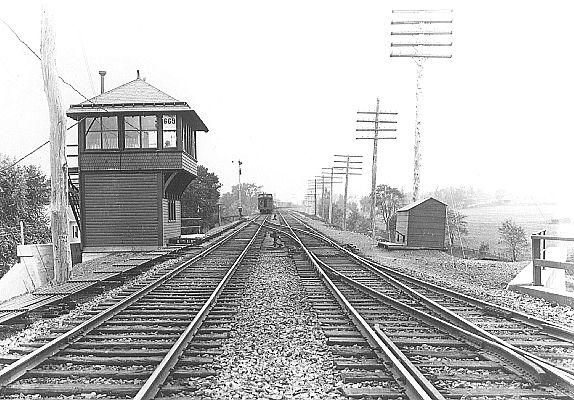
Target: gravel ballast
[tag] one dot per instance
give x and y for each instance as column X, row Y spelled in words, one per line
column 277, row 349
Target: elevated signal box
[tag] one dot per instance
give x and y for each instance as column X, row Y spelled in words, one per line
column 136, row 155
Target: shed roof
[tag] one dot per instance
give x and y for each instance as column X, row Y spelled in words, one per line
column 135, row 96
column 418, row 203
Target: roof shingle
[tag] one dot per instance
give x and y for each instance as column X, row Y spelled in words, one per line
column 136, row 91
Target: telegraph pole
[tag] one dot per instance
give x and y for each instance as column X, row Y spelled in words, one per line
column 322, row 183
column 347, row 160
column 313, row 182
column 376, row 129
column 331, row 169
column 58, row 165
column 240, row 208
column 414, row 38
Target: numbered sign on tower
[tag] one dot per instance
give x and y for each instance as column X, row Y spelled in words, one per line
column 169, row 122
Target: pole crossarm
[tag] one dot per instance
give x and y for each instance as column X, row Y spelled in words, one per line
column 406, row 44
column 380, row 138
column 421, row 22
column 422, row 55
column 377, row 113
column 380, row 121
column 412, row 33
column 376, row 130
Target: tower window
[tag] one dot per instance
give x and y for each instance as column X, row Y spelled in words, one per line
column 101, row 133
column 171, row 210
column 169, row 131
column 141, row 132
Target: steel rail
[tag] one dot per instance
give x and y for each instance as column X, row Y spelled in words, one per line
column 416, row 385
column 470, row 337
column 153, row 384
column 558, row 331
column 557, row 373
column 15, row 370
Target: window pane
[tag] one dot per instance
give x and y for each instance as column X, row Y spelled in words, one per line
column 149, row 123
column 149, row 139
column 109, row 123
column 132, row 140
column 169, row 139
column 131, row 123
column 92, row 124
column 93, row 140
column 110, row 140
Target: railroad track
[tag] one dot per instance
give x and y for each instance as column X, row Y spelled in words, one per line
column 150, row 340
column 455, row 346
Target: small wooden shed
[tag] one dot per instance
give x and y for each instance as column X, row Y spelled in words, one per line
column 421, row 224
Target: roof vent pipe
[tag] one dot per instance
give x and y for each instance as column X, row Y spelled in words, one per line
column 138, row 71
column 102, row 74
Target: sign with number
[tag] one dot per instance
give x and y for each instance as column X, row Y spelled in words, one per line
column 169, row 122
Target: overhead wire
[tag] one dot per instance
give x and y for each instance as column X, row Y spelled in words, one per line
column 63, row 80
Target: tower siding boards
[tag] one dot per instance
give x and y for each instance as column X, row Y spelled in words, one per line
column 121, row 211
column 171, row 229
column 422, row 223
column 133, row 160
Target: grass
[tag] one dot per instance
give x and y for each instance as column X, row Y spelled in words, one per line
column 483, row 223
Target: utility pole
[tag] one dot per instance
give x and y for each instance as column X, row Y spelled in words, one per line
column 58, row 165
column 375, row 140
column 347, row 160
column 414, row 34
column 318, row 183
column 240, row 203
column 331, row 169
column 314, row 189
column 322, row 183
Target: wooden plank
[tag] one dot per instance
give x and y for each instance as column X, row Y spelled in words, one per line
column 116, row 374
column 554, row 264
column 561, row 238
column 361, row 376
column 371, row 392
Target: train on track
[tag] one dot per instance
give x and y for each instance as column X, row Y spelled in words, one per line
column 265, row 203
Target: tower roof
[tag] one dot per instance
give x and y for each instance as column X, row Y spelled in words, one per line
column 134, row 96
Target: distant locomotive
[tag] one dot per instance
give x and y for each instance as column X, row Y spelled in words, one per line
column 265, row 203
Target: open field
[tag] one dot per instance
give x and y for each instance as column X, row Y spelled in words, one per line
column 483, row 223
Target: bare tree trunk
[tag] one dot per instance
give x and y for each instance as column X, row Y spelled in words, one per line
column 58, row 165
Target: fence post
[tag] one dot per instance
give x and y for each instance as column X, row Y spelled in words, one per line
column 536, row 270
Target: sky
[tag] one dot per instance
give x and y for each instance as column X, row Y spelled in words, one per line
column 279, row 85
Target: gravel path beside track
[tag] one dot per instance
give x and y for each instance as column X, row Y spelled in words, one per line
column 482, row 279
column 277, row 349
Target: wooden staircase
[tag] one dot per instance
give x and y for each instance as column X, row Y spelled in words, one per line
column 74, row 181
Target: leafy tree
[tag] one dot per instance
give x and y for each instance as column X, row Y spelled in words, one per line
column 200, row 198
column 455, row 224
column 356, row 222
column 514, row 237
column 483, row 249
column 389, row 200
column 365, row 204
column 24, row 196
column 230, row 200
